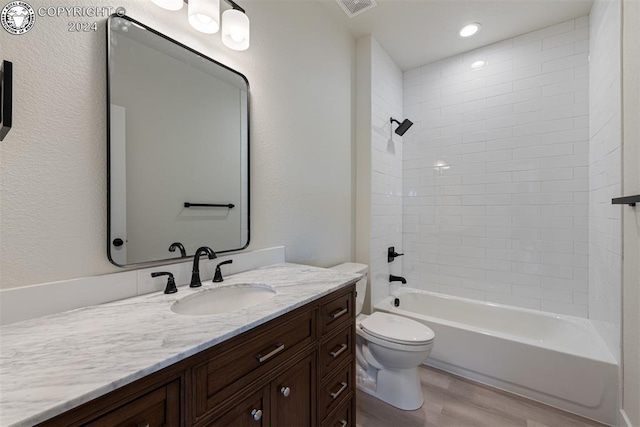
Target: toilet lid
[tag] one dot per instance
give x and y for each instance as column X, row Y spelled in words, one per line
column 397, row 329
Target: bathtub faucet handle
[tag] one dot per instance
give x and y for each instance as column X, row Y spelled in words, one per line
column 392, row 254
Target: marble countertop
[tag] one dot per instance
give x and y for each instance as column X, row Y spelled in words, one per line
column 54, row 363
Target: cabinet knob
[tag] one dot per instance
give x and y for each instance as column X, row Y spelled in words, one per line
column 256, row 414
column 143, row 424
column 285, row 391
column 343, row 423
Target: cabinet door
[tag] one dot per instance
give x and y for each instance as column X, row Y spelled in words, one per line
column 159, row 408
column 250, row 412
column 293, row 395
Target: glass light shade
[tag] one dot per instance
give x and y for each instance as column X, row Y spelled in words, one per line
column 235, row 29
column 204, row 15
column 169, row 4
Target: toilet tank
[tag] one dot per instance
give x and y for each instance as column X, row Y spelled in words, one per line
column 361, row 285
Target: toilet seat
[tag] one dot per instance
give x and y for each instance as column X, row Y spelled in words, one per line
column 396, row 329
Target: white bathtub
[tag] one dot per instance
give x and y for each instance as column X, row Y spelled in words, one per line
column 555, row 359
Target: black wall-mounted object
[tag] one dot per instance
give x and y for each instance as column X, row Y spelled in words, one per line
column 629, row 200
column 209, row 205
column 118, row 242
column 392, row 254
column 400, row 279
column 6, row 98
column 403, row 127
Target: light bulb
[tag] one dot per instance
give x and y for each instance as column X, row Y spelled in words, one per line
column 469, row 30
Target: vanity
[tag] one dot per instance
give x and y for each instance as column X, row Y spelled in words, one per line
column 288, row 361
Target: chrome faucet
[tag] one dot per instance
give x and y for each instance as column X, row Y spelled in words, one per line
column 195, row 274
column 393, row 278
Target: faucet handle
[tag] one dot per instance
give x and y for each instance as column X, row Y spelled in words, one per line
column 392, row 254
column 217, row 277
column 171, row 283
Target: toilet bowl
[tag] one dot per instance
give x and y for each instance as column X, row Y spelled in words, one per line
column 389, row 350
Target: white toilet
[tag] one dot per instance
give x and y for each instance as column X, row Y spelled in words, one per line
column 389, row 350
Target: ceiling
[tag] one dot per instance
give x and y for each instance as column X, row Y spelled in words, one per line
column 418, row 32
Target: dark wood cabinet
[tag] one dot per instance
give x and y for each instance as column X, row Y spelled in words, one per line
column 296, row 370
column 252, row 411
column 160, row 407
column 293, row 395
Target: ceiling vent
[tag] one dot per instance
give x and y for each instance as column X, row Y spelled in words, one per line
column 356, row 7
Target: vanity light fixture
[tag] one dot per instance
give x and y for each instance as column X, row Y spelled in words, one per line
column 235, row 29
column 204, row 16
column 169, row 4
column 469, row 29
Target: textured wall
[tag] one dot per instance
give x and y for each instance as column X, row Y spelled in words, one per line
column 53, row 162
column 605, row 175
column 495, row 173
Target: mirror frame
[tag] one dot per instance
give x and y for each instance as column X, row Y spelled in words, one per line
column 108, row 89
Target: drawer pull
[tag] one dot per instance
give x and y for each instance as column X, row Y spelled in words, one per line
column 143, row 424
column 339, row 392
column 256, row 414
column 342, row 349
column 343, row 423
column 339, row 313
column 278, row 349
column 285, row 391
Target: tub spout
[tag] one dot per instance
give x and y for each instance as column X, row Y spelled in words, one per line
column 393, row 278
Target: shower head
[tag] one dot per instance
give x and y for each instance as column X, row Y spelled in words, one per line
column 404, row 126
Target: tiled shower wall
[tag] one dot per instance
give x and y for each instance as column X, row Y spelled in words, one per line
column 495, row 172
column 386, row 170
column 605, row 175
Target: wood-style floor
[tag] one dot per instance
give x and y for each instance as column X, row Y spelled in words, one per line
column 453, row 401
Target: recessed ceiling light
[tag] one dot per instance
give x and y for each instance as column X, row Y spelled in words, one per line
column 478, row 64
column 469, row 29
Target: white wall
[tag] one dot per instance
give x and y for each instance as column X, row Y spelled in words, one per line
column 605, row 244
column 631, row 216
column 300, row 67
column 495, row 173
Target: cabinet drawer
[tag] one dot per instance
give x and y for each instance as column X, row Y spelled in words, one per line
column 334, row 391
column 255, row 353
column 253, row 411
column 334, row 313
column 160, row 407
column 334, row 351
column 343, row 417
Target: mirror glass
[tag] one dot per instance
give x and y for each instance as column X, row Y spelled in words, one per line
column 178, row 148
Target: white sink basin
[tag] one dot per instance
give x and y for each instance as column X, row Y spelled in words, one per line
column 224, row 299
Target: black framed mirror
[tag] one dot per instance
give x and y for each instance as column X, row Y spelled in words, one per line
column 178, row 148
